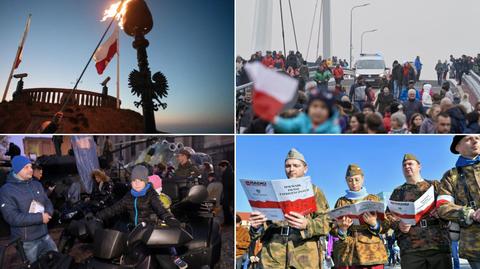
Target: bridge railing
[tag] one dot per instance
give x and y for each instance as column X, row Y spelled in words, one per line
column 58, row 96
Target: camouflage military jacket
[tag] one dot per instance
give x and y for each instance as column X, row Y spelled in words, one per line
column 432, row 237
column 452, row 205
column 304, row 254
column 361, row 245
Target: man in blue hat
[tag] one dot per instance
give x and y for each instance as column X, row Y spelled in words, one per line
column 27, row 209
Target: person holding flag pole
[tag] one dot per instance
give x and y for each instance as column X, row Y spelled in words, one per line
column 18, row 57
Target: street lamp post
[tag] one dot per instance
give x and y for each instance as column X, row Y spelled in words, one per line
column 351, row 26
column 137, row 23
column 361, row 46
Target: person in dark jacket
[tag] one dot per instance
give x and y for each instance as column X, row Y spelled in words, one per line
column 13, row 150
column 228, row 180
column 27, row 209
column 102, row 187
column 412, row 105
column 384, row 100
column 140, row 203
column 397, row 77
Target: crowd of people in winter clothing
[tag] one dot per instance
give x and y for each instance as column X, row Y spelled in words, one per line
column 29, row 201
column 401, row 105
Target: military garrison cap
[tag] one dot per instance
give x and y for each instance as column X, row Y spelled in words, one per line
column 295, row 154
column 411, row 157
column 353, row 170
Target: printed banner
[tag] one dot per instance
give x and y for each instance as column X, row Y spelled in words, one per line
column 274, row 198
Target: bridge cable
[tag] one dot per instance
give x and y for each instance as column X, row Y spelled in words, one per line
column 283, row 30
column 311, row 29
column 293, row 24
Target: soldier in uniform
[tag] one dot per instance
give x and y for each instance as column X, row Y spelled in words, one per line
column 292, row 243
column 185, row 167
column 459, row 197
column 426, row 244
column 360, row 246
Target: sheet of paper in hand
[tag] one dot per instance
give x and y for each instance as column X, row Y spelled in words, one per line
column 355, row 211
column 411, row 212
column 274, row 198
column 36, row 207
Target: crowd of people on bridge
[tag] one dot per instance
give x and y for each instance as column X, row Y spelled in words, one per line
column 401, row 105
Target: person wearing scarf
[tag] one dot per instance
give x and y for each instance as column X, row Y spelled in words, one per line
column 359, row 246
column 141, row 202
column 459, row 199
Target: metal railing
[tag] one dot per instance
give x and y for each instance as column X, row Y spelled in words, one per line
column 58, row 97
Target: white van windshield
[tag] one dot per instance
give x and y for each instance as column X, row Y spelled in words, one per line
column 370, row 64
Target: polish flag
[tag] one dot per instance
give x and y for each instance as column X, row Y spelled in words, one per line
column 272, row 91
column 106, row 51
column 19, row 56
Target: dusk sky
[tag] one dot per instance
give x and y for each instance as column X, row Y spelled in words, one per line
column 380, row 157
column 192, row 43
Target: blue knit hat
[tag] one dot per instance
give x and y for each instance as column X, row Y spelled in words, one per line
column 19, row 162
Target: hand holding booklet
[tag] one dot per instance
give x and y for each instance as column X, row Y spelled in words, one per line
column 411, row 212
column 355, row 211
column 274, row 198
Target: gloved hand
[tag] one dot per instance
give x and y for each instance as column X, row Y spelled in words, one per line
column 172, row 222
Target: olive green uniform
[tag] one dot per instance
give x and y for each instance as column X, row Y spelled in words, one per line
column 186, row 170
column 303, row 249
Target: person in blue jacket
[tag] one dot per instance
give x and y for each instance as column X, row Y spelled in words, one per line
column 27, row 209
column 321, row 116
column 418, row 67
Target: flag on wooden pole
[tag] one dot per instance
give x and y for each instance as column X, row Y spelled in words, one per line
column 18, row 56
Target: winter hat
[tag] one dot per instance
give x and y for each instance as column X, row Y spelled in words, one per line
column 427, row 87
column 156, row 181
column 353, row 170
column 18, row 162
column 139, row 172
column 325, row 97
column 295, row 154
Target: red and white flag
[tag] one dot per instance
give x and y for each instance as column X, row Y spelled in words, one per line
column 271, row 90
column 106, row 51
column 18, row 58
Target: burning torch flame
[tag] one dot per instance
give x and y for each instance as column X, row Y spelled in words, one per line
column 112, row 10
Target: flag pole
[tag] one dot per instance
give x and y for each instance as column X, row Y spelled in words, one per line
column 118, row 67
column 17, row 56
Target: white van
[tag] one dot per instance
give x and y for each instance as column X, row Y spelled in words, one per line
column 372, row 67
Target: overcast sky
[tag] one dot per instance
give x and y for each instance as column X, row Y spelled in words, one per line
column 407, row 28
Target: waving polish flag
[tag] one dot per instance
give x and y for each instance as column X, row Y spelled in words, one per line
column 106, row 51
column 271, row 90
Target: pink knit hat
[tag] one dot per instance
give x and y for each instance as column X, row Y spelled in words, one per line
column 156, row 181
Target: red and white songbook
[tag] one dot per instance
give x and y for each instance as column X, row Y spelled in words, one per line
column 274, row 198
column 355, row 211
column 411, row 212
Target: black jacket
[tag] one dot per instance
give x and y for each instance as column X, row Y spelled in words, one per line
column 147, row 205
